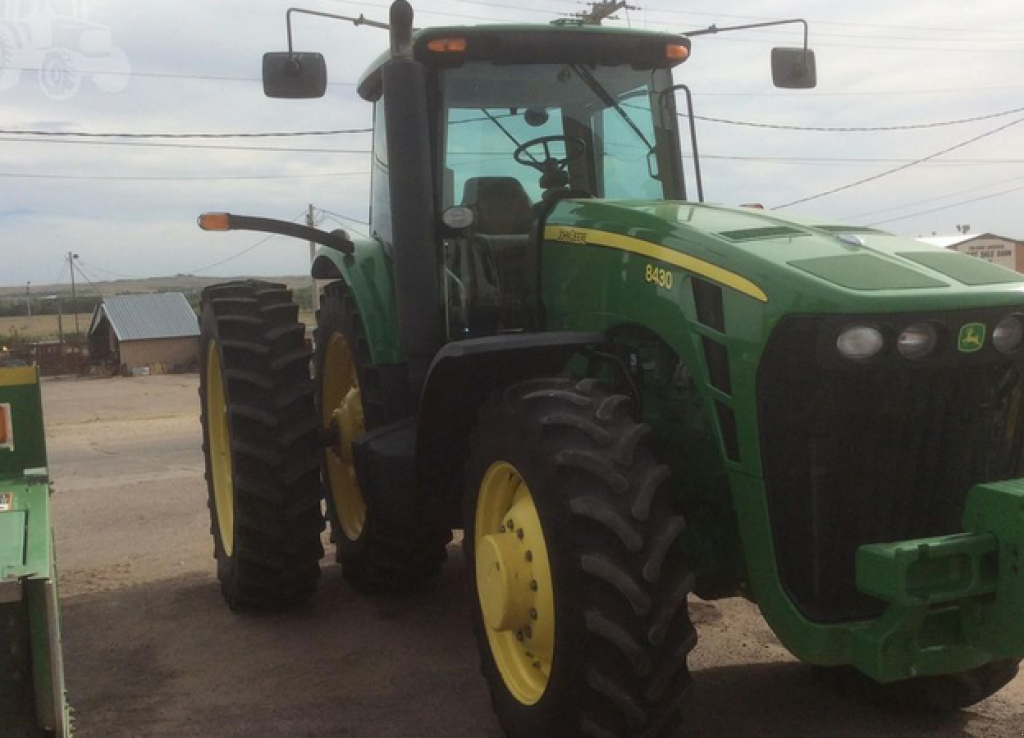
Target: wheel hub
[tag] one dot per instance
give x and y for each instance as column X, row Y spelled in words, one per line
column 349, row 421
column 514, row 583
column 506, row 598
column 342, row 421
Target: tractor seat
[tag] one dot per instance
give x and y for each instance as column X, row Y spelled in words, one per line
column 504, row 216
column 500, row 204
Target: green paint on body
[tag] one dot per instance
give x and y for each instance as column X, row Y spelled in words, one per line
column 32, row 671
column 369, row 275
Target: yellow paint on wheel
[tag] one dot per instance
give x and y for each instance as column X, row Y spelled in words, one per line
column 342, row 413
column 221, row 466
column 514, row 584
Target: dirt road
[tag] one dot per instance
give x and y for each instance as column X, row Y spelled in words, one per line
column 152, row 651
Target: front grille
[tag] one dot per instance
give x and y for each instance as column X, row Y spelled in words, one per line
column 873, row 453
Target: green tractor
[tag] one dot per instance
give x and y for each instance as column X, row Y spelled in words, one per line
column 624, row 396
column 33, row 703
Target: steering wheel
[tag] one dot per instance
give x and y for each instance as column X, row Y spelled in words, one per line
column 574, row 147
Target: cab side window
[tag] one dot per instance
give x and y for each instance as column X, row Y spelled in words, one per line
column 380, row 192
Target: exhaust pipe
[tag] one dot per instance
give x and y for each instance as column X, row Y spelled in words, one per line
column 412, row 200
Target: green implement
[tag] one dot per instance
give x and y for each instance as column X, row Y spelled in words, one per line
column 32, row 690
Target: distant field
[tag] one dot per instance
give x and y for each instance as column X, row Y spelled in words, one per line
column 41, row 326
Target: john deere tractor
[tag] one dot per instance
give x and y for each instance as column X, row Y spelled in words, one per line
column 623, row 395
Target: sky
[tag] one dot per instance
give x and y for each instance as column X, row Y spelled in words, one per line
column 128, row 207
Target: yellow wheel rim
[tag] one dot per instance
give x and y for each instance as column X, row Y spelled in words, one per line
column 221, row 467
column 513, row 581
column 342, row 412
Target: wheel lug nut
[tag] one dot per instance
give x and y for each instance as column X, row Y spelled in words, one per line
column 519, row 534
column 529, row 555
column 533, row 614
column 533, row 585
column 519, row 635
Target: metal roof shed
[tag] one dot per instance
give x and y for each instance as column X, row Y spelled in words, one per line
column 158, row 332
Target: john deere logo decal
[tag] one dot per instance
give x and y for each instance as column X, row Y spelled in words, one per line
column 972, row 338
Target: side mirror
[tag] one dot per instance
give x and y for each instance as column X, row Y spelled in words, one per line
column 294, row 75
column 794, row 69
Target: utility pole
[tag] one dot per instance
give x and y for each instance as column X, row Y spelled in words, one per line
column 600, row 11
column 311, row 222
column 74, row 294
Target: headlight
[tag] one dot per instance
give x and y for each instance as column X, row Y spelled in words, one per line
column 917, row 341
column 1008, row 334
column 859, row 343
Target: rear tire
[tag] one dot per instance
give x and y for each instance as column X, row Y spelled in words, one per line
column 375, row 553
column 260, row 445
column 590, row 637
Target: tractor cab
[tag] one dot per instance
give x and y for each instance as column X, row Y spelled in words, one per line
column 519, row 119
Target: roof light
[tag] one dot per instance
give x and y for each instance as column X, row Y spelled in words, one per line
column 677, row 52
column 215, row 221
column 447, row 45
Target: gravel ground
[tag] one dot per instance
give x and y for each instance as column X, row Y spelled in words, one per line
column 152, row 651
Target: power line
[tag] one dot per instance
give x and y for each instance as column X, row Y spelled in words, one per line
column 902, row 48
column 950, row 205
column 78, row 269
column 208, row 147
column 111, row 273
column 344, row 217
column 174, row 178
column 942, row 91
column 347, row 226
column 929, row 29
column 244, row 251
column 901, row 167
column 855, row 160
column 857, row 129
column 904, row 206
column 168, row 75
column 260, row 134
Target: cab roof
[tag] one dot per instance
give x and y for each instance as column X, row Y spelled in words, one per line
column 536, row 44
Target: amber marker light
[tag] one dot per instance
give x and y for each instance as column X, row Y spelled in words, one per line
column 447, row 45
column 677, row 52
column 6, row 429
column 215, row 221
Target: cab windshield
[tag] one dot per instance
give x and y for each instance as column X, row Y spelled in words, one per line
column 592, row 131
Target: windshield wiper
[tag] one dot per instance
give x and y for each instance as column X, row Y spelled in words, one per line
column 606, row 97
column 504, row 130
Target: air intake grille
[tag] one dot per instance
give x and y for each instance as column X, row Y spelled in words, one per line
column 879, row 454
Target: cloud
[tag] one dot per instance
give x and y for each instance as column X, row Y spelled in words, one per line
column 207, row 58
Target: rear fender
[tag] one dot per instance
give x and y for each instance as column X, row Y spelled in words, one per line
column 368, row 274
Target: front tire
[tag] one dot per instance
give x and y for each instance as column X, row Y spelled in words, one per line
column 260, row 445
column 580, row 587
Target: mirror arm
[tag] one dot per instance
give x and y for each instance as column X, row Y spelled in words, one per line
column 356, row 21
column 713, row 29
column 337, row 240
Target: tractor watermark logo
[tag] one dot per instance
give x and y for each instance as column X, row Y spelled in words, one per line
column 972, row 338
column 55, row 44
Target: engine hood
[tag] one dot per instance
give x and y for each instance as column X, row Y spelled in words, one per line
column 799, row 264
